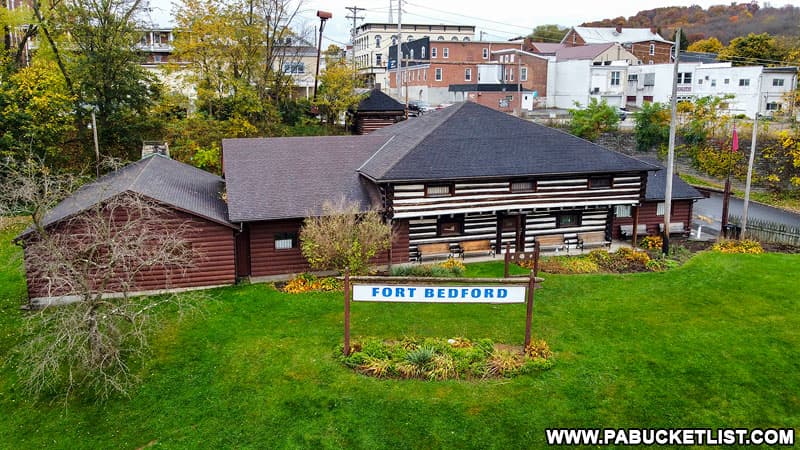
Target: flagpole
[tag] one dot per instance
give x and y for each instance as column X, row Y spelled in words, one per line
column 749, row 176
column 726, row 195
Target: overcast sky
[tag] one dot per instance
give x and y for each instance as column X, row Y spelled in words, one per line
column 500, row 20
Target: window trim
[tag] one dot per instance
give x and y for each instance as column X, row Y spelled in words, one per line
column 777, row 82
column 434, row 53
column 485, row 53
column 523, row 74
column 284, row 236
column 652, row 49
column 661, row 208
column 627, row 214
column 437, row 74
column 616, row 81
column 593, row 179
column 457, row 220
column 468, row 74
column 445, row 52
column 559, row 217
column 511, row 189
column 450, row 188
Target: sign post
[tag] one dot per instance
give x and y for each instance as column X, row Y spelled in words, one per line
column 347, row 311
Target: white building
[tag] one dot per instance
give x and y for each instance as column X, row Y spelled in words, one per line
column 373, row 40
column 755, row 89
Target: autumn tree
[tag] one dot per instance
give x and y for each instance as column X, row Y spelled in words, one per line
column 86, row 347
column 344, row 236
column 590, row 122
column 710, row 45
column 652, row 126
column 782, row 158
column 337, row 90
column 548, row 33
column 753, row 50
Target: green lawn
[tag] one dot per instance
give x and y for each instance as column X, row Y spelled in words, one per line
column 715, row 343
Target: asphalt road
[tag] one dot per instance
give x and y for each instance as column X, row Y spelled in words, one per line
column 708, row 213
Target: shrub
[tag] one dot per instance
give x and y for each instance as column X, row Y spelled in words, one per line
column 621, row 261
column 538, row 349
column 504, row 363
column 455, row 269
column 743, row 246
column 306, row 282
column 376, row 367
column 652, row 243
column 566, row 265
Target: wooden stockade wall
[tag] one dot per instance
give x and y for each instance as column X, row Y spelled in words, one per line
column 765, row 231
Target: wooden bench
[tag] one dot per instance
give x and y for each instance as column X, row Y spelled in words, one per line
column 550, row 242
column 593, row 239
column 434, row 250
column 674, row 228
column 626, row 231
column 483, row 247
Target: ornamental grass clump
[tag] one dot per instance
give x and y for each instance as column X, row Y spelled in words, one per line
column 745, row 246
column 306, row 282
column 438, row 359
column 447, row 269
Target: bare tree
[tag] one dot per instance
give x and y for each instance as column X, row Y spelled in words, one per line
column 116, row 245
column 344, row 236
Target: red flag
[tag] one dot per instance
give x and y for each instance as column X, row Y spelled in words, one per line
column 735, row 145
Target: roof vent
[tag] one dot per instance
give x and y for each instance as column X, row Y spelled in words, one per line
column 150, row 148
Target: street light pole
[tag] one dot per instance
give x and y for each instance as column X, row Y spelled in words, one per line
column 96, row 146
column 323, row 16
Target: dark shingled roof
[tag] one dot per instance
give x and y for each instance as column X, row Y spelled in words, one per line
column 657, row 184
column 164, row 180
column 279, row 178
column 379, row 102
column 468, row 140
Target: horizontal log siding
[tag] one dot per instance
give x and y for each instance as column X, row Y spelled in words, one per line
column 213, row 265
column 479, row 202
column 399, row 245
column 264, row 259
column 409, row 200
column 681, row 212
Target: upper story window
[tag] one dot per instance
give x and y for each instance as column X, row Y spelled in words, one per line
column 438, row 74
column 422, row 52
column 684, row 77
column 633, row 77
column 440, row 38
column 652, row 49
column 602, row 182
column 294, row 67
column 744, row 82
column 468, row 74
column 615, row 78
column 378, row 41
column 433, row 52
column 454, row 38
column 438, row 190
column 485, row 53
column 410, row 38
column 378, row 59
column 412, row 53
column 777, row 82
column 727, row 81
column 445, row 52
column 522, row 186
column 523, row 74
column 574, row 38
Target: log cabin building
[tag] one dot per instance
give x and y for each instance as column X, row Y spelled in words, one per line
column 376, row 111
column 649, row 215
column 189, row 196
column 465, row 173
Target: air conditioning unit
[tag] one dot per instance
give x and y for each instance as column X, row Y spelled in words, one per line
column 595, row 90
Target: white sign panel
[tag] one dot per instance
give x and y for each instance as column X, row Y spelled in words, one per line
column 439, row 294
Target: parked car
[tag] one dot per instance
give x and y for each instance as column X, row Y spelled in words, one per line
column 418, row 108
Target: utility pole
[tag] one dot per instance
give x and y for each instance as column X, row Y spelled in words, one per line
column 750, row 170
column 671, row 151
column 354, row 10
column 399, row 48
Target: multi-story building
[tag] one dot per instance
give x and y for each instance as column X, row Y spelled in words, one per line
column 496, row 74
column 754, row 89
column 156, row 45
column 373, row 40
column 648, row 46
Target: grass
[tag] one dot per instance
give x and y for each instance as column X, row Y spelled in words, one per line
column 715, row 343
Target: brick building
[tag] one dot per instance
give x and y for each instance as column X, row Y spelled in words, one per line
column 496, row 74
column 648, row 46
